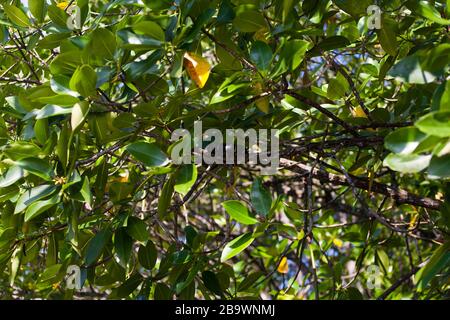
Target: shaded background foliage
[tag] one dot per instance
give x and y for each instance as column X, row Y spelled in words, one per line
column 361, row 196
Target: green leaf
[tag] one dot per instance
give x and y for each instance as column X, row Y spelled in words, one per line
column 388, row 36
column 16, row 15
column 261, row 55
column 21, row 149
column 162, row 292
column 250, row 280
column 51, row 111
column 226, row 13
column 355, row 8
column 288, row 6
column 435, row 123
column 440, row 167
column 38, row 9
column 60, row 83
column 211, row 282
column 261, row 198
column 62, row 149
column 58, row 16
column 236, row 246
column 166, row 197
column 37, row 167
column 428, row 11
column 439, row 260
column 122, row 246
column 148, row 153
column 86, row 191
column 32, row 195
column 147, row 255
column 137, row 229
column 249, row 21
column 132, row 41
column 330, row 43
column 441, row 97
column 158, row 4
column 129, row 286
column 79, row 113
column 383, row 258
column 337, row 87
column 47, row 111
column 409, row 70
column 103, row 43
column 407, row 163
column 84, row 81
column 238, row 212
column 96, row 245
column 50, row 275
column 41, row 131
column 14, row 174
column 227, row 91
column 151, row 29
column 292, row 54
column 404, row 140
column 185, row 179
column 39, row 207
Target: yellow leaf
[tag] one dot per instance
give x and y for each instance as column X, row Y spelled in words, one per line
column 338, row 242
column 62, row 5
column 263, row 104
column 283, row 267
column 261, row 35
column 358, row 112
column 412, row 223
column 198, row 68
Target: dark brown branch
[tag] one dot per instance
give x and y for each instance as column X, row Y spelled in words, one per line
column 399, row 195
column 398, row 283
column 322, row 110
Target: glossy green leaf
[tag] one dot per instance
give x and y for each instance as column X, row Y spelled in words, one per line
column 404, row 140
column 355, row 8
column 16, row 15
column 440, row 167
column 137, row 229
column 96, row 245
column 261, row 55
column 186, row 177
column 38, row 167
column 38, row 8
column 151, row 29
column 409, row 70
column 122, row 246
column 236, row 246
column 39, row 207
column 166, row 197
column 261, row 198
column 428, row 11
column 388, row 36
column 58, row 16
column 439, row 259
column 84, row 81
column 249, row 21
column 34, row 194
column 102, row 43
column 149, row 154
column 238, row 212
column 79, row 113
column 407, row 163
column 435, row 123
column 14, row 174
column 147, row 255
